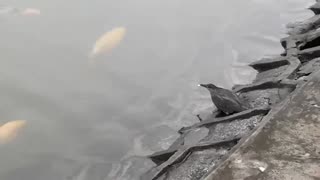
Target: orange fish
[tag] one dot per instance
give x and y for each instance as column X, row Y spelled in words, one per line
column 10, row 130
column 30, row 12
column 108, row 41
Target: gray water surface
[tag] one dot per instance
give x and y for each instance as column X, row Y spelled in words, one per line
column 83, row 118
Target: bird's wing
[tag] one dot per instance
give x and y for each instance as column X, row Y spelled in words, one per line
column 230, row 96
column 227, row 104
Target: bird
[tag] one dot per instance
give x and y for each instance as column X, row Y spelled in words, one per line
column 10, row 130
column 225, row 100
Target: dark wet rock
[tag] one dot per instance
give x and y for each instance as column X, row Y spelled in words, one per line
column 307, row 54
column 234, row 128
column 162, row 156
column 185, row 152
column 198, row 164
column 214, row 121
column 257, row 98
column 315, row 8
column 270, row 74
column 266, row 64
column 263, row 83
column 267, row 96
column 224, row 99
column 310, row 40
column 187, row 139
column 309, row 67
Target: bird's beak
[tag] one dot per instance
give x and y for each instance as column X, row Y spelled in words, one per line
column 203, row 85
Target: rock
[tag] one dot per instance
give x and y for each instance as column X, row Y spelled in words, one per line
column 267, row 63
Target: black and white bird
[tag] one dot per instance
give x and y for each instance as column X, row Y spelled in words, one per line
column 224, row 99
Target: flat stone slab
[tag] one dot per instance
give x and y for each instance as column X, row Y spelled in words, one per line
column 285, row 147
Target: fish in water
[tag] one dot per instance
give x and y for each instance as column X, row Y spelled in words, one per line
column 18, row 11
column 108, row 41
column 10, row 130
column 30, row 12
column 224, row 99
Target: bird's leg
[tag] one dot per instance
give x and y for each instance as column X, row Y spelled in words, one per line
column 215, row 113
column 220, row 113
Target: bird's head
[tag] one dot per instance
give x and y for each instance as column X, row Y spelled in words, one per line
column 208, row 86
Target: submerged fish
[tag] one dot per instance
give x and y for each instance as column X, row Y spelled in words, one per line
column 17, row 11
column 9, row 130
column 30, row 12
column 108, row 41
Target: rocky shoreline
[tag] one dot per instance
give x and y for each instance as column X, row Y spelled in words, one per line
column 218, row 137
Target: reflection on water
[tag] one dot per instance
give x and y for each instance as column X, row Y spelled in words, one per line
column 84, row 118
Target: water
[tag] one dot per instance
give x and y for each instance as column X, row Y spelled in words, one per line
column 83, row 118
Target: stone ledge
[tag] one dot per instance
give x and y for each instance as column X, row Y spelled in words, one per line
column 285, row 146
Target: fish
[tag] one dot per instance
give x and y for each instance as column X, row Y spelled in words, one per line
column 108, row 41
column 10, row 130
column 30, row 12
column 17, row 11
